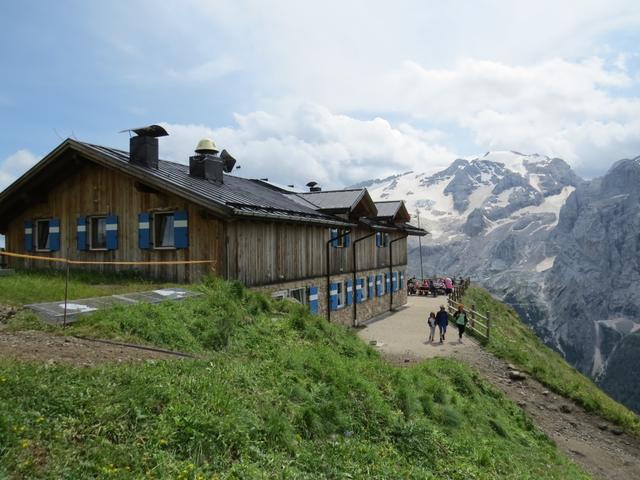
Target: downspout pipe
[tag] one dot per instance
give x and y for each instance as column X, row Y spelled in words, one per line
column 391, row 269
column 328, row 250
column 355, row 273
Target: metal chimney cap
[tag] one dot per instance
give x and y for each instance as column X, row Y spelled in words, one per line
column 206, row 145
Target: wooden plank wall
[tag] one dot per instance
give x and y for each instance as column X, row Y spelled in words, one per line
column 96, row 190
column 269, row 253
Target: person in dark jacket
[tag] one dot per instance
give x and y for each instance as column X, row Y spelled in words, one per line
column 461, row 318
column 442, row 320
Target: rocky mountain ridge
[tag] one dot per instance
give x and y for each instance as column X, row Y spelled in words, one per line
column 563, row 251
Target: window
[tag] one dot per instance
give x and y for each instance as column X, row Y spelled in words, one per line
column 43, row 235
column 339, row 237
column 163, row 230
column 363, row 288
column 300, row 294
column 382, row 239
column 280, row 294
column 98, row 233
column 341, row 292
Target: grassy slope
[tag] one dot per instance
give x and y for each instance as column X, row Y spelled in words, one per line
column 278, row 394
column 26, row 287
column 513, row 341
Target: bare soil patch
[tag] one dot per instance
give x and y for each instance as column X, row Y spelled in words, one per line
column 42, row 347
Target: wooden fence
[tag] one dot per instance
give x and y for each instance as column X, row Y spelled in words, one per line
column 479, row 325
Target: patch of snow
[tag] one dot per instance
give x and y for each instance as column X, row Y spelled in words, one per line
column 551, row 204
column 545, row 264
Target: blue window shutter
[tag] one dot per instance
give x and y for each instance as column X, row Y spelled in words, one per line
column 387, row 281
column 54, row 234
column 334, row 237
column 81, row 233
column 379, row 285
column 394, row 281
column 349, row 284
column 371, row 281
column 181, row 229
column 144, row 238
column 28, row 236
column 378, row 239
column 347, row 240
column 112, row 232
column 359, row 290
column 333, row 296
column 313, row 299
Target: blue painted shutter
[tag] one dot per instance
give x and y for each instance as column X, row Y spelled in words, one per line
column 378, row 239
column 81, row 233
column 28, row 236
column 334, row 237
column 387, row 282
column 401, row 280
column 181, row 229
column 371, row 282
column 54, row 234
column 394, row 281
column 313, row 299
column 347, row 240
column 112, row 232
column 143, row 231
column 349, row 284
column 359, row 283
column 333, row 296
column 379, row 285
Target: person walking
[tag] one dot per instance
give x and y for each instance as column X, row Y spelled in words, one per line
column 461, row 318
column 442, row 320
column 431, row 321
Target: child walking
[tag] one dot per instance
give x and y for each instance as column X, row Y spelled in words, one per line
column 431, row 321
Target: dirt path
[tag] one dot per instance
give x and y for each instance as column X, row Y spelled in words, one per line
column 42, row 347
column 599, row 447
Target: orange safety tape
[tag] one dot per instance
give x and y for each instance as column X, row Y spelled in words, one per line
column 89, row 262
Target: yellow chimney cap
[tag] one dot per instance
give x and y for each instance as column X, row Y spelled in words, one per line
column 206, row 145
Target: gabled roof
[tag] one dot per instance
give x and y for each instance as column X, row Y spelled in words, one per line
column 235, row 196
column 394, row 210
column 356, row 201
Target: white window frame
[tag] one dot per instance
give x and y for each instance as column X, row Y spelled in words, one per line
column 364, row 288
column 90, row 232
column 153, row 230
column 340, row 289
column 341, row 237
column 305, row 296
column 36, row 237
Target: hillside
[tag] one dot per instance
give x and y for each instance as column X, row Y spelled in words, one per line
column 563, row 251
column 276, row 392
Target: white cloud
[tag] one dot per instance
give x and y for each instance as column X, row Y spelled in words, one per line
column 15, row 165
column 308, row 142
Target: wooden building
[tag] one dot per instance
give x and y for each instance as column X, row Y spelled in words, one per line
column 336, row 251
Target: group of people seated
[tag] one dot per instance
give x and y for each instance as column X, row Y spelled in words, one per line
column 432, row 286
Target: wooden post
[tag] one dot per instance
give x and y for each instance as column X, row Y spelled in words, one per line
column 488, row 325
column 66, row 290
column 473, row 316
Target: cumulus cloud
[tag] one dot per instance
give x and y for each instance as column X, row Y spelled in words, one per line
column 308, row 142
column 15, row 165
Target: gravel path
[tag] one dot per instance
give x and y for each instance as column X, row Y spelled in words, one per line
column 598, row 446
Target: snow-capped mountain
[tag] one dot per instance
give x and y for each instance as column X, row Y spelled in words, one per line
column 473, row 197
column 549, row 243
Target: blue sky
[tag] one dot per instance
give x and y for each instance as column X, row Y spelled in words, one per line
column 331, row 91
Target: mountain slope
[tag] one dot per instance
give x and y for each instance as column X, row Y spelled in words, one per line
column 562, row 251
column 277, row 393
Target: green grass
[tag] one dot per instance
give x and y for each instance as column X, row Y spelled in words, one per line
column 278, row 393
column 512, row 340
column 25, row 287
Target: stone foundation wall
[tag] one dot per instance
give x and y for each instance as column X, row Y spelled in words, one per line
column 366, row 310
